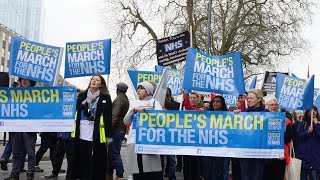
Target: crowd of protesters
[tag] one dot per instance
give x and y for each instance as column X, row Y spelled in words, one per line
column 93, row 148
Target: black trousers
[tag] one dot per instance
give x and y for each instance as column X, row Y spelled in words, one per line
column 63, row 147
column 47, row 142
column 88, row 163
column 191, row 167
column 274, row 169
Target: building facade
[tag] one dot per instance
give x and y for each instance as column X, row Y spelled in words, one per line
column 24, row 17
column 5, row 39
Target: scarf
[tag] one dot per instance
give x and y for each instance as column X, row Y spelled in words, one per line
column 260, row 108
column 90, row 104
column 91, row 96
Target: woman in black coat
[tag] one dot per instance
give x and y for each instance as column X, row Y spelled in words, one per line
column 92, row 131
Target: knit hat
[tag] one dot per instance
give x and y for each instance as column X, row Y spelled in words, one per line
column 32, row 83
column 147, row 86
column 123, row 87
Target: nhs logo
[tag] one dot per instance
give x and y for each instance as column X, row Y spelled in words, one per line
column 173, row 46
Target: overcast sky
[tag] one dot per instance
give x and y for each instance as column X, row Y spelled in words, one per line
column 79, row 20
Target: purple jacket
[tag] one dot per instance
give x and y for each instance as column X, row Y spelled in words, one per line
column 309, row 147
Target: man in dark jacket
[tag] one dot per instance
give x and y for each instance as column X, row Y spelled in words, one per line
column 120, row 107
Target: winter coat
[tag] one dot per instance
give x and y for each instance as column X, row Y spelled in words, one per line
column 309, row 147
column 120, row 108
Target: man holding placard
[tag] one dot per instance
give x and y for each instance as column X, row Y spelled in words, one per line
column 28, row 139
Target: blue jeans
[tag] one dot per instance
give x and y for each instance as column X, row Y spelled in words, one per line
column 117, row 137
column 252, row 169
column 312, row 173
column 7, row 151
column 170, row 168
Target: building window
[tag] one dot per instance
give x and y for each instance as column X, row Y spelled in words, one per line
column 4, row 44
column 2, row 61
column 3, row 36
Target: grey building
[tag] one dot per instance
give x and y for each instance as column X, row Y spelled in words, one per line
column 5, row 39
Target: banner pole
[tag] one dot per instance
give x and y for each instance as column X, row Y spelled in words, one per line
column 190, row 34
column 311, row 118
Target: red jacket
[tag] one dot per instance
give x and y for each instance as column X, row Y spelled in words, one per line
column 287, row 145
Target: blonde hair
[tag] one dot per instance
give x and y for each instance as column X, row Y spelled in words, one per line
column 259, row 94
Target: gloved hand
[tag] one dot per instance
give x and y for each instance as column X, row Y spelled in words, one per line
column 109, row 141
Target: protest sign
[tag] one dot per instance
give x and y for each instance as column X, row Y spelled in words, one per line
column 37, row 109
column 269, row 82
column 294, row 93
column 34, row 61
column 175, row 79
column 139, row 76
column 219, row 74
column 87, row 58
column 173, row 49
column 211, row 133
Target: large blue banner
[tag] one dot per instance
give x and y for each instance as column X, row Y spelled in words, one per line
column 140, row 76
column 220, row 74
column 37, row 109
column 87, row 58
column 34, row 61
column 294, row 93
column 175, row 79
column 224, row 134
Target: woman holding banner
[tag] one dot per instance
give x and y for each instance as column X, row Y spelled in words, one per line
column 275, row 168
column 309, row 135
column 192, row 164
column 216, row 168
column 142, row 166
column 252, row 169
column 92, row 131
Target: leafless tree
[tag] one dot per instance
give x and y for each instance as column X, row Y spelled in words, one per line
column 265, row 31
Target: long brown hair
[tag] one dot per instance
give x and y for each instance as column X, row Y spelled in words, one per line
column 103, row 89
column 307, row 114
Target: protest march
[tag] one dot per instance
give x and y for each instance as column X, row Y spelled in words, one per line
column 201, row 117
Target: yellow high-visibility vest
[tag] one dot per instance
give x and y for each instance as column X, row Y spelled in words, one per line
column 102, row 131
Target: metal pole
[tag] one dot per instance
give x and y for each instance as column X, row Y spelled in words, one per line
column 209, row 26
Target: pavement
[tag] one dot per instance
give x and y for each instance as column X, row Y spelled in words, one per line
column 47, row 166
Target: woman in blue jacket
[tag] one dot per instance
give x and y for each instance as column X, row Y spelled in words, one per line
column 309, row 146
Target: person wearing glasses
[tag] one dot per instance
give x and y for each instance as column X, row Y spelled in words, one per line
column 275, row 168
